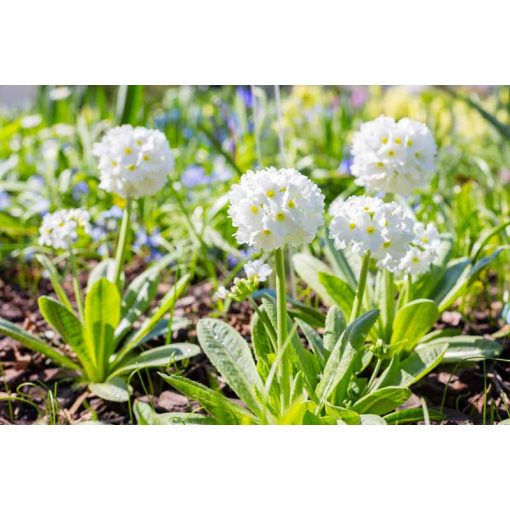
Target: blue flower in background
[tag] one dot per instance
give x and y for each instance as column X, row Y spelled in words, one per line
column 82, row 188
column 151, row 241
column 233, row 261
column 5, row 200
column 187, row 133
column 246, row 96
column 194, row 175
column 345, row 166
column 114, row 212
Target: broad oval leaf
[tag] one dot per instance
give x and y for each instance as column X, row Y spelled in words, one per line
column 308, row 269
column 382, row 401
column 412, row 322
column 114, row 390
column 229, row 353
column 345, row 356
column 465, row 348
column 339, row 291
column 216, row 404
column 102, row 314
column 158, row 357
column 69, row 328
column 36, row 344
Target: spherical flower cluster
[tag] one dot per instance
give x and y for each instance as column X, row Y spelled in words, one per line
column 271, row 208
column 62, row 228
column 256, row 272
column 423, row 251
column 366, row 224
column 134, row 161
column 394, row 157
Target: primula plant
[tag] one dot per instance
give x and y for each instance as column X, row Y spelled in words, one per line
column 326, row 382
column 157, row 249
column 100, row 338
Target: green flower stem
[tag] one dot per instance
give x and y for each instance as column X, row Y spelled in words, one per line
column 360, row 289
column 120, row 255
column 281, row 329
column 389, row 304
column 76, row 282
column 374, row 375
column 409, row 282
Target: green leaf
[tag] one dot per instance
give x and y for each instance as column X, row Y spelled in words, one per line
column 105, row 269
column 36, row 344
column 372, row 419
column 414, row 415
column 382, row 401
column 102, row 314
column 54, row 279
column 145, row 415
column 139, row 295
column 464, row 348
column 158, row 357
column 14, row 226
column 468, row 276
column 420, row 363
column 161, row 328
column 308, row 269
column 345, row 355
column 334, row 327
column 315, row 341
column 228, row 351
column 412, row 322
column 307, row 364
column 259, row 337
column 339, row 291
column 115, row 390
column 456, row 271
column 69, row 327
column 218, row 406
column 166, row 304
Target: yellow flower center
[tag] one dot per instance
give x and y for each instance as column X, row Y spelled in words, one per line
column 131, row 167
column 410, row 143
column 291, row 204
column 398, row 141
column 254, row 209
column 146, row 157
column 352, row 226
column 270, row 193
column 370, row 229
column 391, row 153
column 267, row 232
column 380, row 164
column 280, row 216
column 127, row 151
column 384, row 140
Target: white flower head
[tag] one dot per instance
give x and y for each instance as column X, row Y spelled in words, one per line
column 257, row 269
column 393, row 157
column 62, row 228
column 367, row 224
column 423, row 252
column 271, row 208
column 31, row 121
column 221, row 293
column 134, row 161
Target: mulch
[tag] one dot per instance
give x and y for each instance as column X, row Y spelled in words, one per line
column 33, row 390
